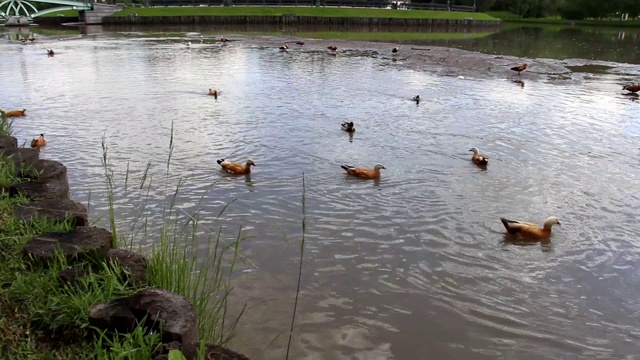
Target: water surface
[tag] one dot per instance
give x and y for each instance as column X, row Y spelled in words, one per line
column 411, row 267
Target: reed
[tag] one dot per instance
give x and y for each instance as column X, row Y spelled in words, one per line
column 186, row 257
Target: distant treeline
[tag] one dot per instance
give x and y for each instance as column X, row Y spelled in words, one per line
column 568, row 9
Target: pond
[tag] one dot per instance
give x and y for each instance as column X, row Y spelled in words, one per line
column 412, row 266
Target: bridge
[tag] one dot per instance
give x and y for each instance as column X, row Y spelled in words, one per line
column 19, row 8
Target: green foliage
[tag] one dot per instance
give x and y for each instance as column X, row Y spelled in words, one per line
column 570, row 9
column 176, row 355
column 138, row 344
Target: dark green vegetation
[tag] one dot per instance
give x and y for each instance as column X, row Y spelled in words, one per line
column 301, row 11
column 42, row 317
column 566, row 9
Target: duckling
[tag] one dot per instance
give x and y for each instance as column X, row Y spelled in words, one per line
column 634, row 88
column 416, row 99
column 14, row 113
column 479, row 158
column 529, row 230
column 50, row 52
column 519, row 68
column 38, row 142
column 236, row 168
column 364, row 173
column 348, row 127
column 301, row 43
column 332, row 47
column 284, row 47
column 213, row 93
column 395, row 50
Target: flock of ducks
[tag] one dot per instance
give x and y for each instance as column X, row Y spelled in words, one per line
column 523, row 230
column 526, row 230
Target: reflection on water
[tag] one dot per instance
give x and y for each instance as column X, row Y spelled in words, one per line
column 411, row 267
column 591, row 43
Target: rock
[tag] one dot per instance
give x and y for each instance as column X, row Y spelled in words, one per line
column 49, row 181
column 40, row 190
column 133, row 263
column 57, row 210
column 22, row 158
column 82, row 242
column 8, row 143
column 171, row 314
column 71, row 276
column 114, row 315
column 215, row 352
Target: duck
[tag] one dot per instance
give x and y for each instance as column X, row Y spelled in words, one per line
column 301, row 43
column 32, row 39
column 348, row 127
column 284, row 47
column 364, row 173
column 634, row 88
column 38, row 142
column 519, row 68
column 530, row 230
column 395, row 50
column 332, row 47
column 213, row 93
column 14, row 113
column 50, row 52
column 23, row 40
column 416, row 99
column 236, row 168
column 224, row 39
column 479, row 158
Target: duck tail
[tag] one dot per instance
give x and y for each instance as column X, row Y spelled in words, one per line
column 220, row 161
column 515, row 68
column 506, row 223
column 346, row 167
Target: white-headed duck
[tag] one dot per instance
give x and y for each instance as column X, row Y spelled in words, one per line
column 348, row 126
column 236, row 168
column 364, row 173
column 38, row 142
column 519, row 68
column 14, row 113
column 530, row 230
column 478, row 158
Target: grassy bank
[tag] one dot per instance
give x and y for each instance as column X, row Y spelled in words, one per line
column 44, row 318
column 303, row 11
column 65, row 13
column 508, row 17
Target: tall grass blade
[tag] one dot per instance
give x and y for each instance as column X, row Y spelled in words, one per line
column 304, row 230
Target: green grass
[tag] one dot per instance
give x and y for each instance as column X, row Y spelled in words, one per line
column 557, row 20
column 66, row 13
column 303, row 11
column 391, row 36
column 42, row 318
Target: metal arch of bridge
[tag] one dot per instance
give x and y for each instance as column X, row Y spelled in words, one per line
column 20, row 7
